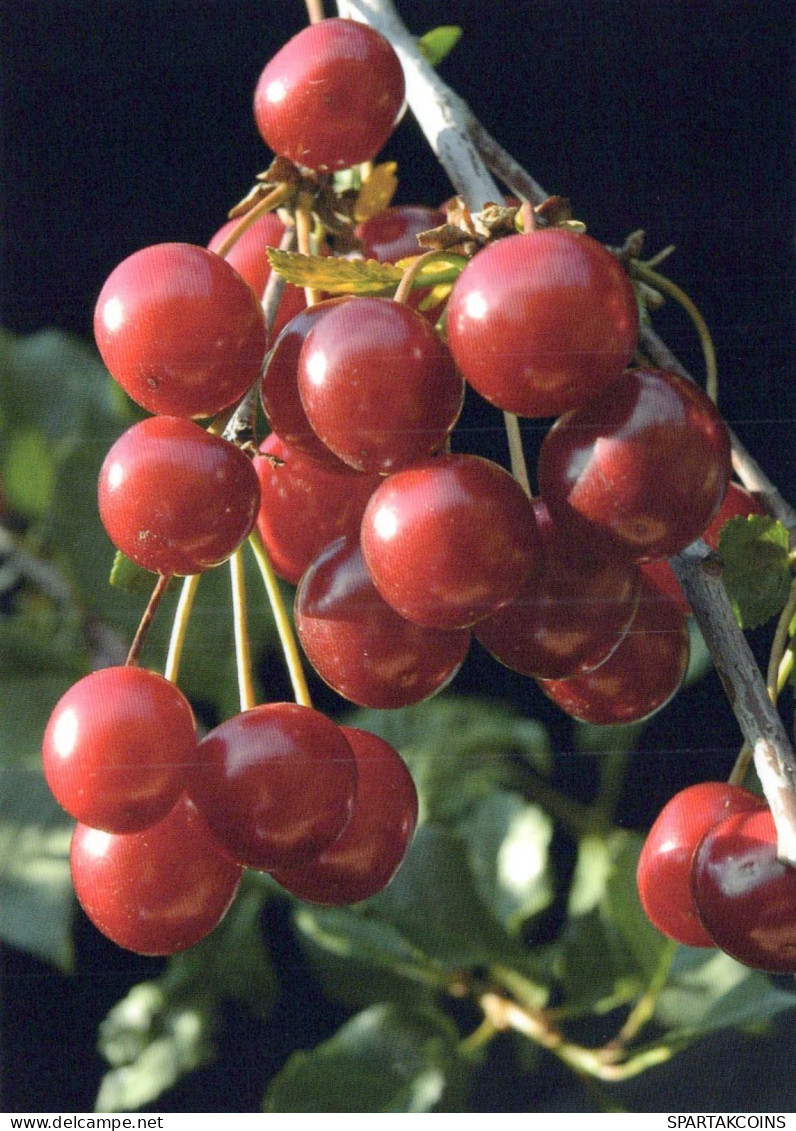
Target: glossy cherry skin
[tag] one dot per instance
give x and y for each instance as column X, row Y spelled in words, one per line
column 745, row 897
column 449, row 540
column 359, row 645
column 568, row 617
column 329, row 98
column 378, row 384
column 392, row 234
column 663, row 875
column 180, row 330
column 642, row 673
column 174, row 498
column 116, row 748
column 306, row 505
column 366, row 856
column 640, row 470
column 541, row 323
column 279, row 390
column 158, row 891
column 276, row 784
column 249, row 258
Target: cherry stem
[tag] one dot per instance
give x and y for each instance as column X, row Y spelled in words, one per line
column 179, row 628
column 243, row 659
column 644, row 272
column 284, row 627
column 519, row 468
column 314, row 11
column 528, row 217
column 411, row 273
column 267, row 204
column 304, row 233
column 779, row 645
column 161, row 585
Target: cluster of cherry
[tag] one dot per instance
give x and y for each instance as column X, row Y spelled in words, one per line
column 402, row 549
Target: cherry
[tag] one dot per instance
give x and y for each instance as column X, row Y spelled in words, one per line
column 276, row 784
column 642, row 673
column 449, row 539
column 174, row 498
column 392, row 234
column 279, row 389
column 180, row 330
column 543, row 322
column 116, row 748
column 366, row 856
column 640, row 470
column 744, row 895
column 359, row 645
column 664, row 866
column 330, row 97
column 248, row 257
column 566, row 619
column 305, row 505
column 158, row 891
column 378, row 385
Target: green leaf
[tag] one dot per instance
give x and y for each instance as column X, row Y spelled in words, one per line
column 130, row 577
column 335, row 276
column 164, row 1029
column 28, row 472
column 756, row 567
column 383, row 1060
column 439, row 42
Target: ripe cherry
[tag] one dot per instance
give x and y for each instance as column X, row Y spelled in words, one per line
column 116, row 748
column 158, row 891
column 180, row 330
column 449, row 539
column 378, row 385
column 640, row 470
column 276, row 784
column 366, row 856
column 543, row 322
column 744, row 895
column 642, row 673
column 176, row 499
column 359, row 645
column 663, row 875
column 392, row 234
column 330, row 97
column 306, row 505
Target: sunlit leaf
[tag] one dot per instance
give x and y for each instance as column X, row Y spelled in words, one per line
column 756, row 567
column 439, row 42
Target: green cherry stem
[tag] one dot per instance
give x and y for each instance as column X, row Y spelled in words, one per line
column 243, row 659
column 161, row 585
column 780, row 645
column 180, row 626
column 284, row 627
column 519, row 468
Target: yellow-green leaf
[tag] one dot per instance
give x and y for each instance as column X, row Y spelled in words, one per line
column 335, row 276
column 439, row 42
column 377, row 191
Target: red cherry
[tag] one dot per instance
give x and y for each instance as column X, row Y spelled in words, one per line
column 566, row 619
column 541, row 323
column 176, row 499
column 276, row 784
column 116, row 748
column 745, row 897
column 661, row 575
column 378, row 385
column 306, row 505
column 642, row 673
column 329, row 98
column 392, row 234
column 449, row 539
column 366, row 856
column 279, row 389
column 248, row 257
column 359, row 645
column 664, row 866
column 180, row 330
column 158, row 891
column 640, row 470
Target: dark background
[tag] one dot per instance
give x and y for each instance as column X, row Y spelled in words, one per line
column 130, row 123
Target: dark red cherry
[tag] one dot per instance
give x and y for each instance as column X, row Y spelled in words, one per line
column 663, row 875
column 359, row 645
column 366, row 856
column 541, row 323
column 449, row 539
column 640, row 470
column 180, row 330
column 158, row 891
column 329, row 98
column 176, row 499
column 744, row 895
